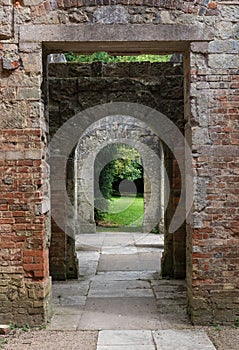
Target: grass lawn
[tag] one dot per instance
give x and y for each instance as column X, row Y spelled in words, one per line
column 124, row 213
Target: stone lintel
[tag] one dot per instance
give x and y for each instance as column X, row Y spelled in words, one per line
column 172, row 37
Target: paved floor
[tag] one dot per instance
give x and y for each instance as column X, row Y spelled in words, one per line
column 121, row 295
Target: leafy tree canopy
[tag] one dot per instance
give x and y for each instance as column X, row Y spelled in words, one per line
column 126, row 164
column 105, row 57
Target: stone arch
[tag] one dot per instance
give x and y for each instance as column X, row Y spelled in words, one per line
column 119, row 129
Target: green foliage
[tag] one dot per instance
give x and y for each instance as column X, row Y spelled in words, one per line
column 124, row 163
column 13, row 326
column 105, row 57
column 42, row 326
column 128, row 164
column 236, row 323
column 104, row 175
column 26, row 328
column 217, row 327
column 155, row 230
column 3, row 342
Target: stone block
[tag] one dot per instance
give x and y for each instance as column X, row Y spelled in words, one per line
column 21, row 79
column 6, row 22
column 230, row 13
column 26, row 93
column 15, row 115
column 201, row 136
column 223, row 61
column 6, row 2
column 29, row 47
column 32, row 62
column 22, row 15
column 111, row 14
column 200, row 189
column 10, row 59
column 14, row 155
column 201, row 47
column 224, row 46
column 32, row 2
column 33, row 154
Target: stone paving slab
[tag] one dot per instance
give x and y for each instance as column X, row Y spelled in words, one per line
column 88, row 262
column 70, row 288
column 155, row 340
column 76, row 300
column 149, row 240
column 182, row 340
column 132, row 262
column 146, row 250
column 69, row 310
column 90, row 242
column 119, row 250
column 126, row 347
column 121, row 289
column 177, row 321
column 125, row 275
column 125, row 337
column 120, row 313
column 66, row 322
column 118, row 239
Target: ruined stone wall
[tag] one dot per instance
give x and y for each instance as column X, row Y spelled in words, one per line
column 207, row 32
column 74, row 87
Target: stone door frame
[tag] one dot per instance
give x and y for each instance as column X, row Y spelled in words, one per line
column 41, row 40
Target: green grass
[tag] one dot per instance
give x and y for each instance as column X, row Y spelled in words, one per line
column 124, row 213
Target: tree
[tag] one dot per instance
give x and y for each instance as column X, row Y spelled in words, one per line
column 126, row 164
column 105, row 58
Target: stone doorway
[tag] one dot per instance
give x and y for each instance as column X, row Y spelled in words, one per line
column 159, row 85
column 163, row 89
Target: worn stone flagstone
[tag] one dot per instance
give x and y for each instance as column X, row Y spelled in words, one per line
column 185, row 339
column 121, row 289
column 120, row 313
column 125, row 337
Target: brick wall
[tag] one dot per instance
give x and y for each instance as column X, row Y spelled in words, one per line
column 215, row 248
column 24, row 253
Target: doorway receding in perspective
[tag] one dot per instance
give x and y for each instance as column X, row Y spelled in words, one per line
column 149, row 80
column 119, row 189
column 115, row 268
